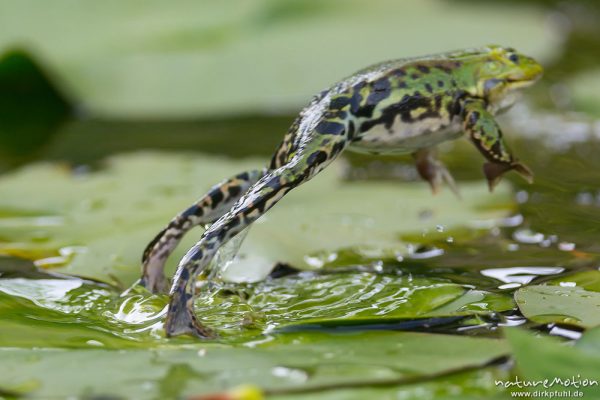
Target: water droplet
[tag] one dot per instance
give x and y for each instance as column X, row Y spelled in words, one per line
column 424, row 253
column 378, row 266
column 527, row 236
column 293, row 374
column 314, row 262
column 522, row 196
column 566, row 246
column 568, row 284
column 512, row 247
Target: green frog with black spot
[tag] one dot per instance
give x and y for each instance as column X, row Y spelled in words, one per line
column 403, row 106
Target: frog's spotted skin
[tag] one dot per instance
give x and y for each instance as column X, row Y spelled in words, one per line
column 206, row 210
column 402, row 106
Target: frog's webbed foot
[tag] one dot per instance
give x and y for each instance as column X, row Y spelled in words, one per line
column 434, row 171
column 181, row 319
column 206, row 210
column 494, row 171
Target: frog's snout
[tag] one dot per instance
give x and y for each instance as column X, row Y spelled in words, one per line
column 531, row 70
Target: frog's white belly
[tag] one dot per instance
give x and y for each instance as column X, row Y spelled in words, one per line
column 406, row 137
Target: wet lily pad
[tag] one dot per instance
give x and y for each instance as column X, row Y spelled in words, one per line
column 97, row 224
column 290, row 361
column 72, row 313
column 569, row 305
column 343, row 300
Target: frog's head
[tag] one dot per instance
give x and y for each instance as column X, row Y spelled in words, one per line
column 501, row 72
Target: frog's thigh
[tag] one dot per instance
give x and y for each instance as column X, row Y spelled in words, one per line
column 207, row 209
column 316, row 153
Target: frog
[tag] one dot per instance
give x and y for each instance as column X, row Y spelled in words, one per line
column 404, row 106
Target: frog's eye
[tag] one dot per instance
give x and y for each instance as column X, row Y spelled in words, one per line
column 514, row 58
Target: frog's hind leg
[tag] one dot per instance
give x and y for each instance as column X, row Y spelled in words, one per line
column 206, row 210
column 311, row 158
column 433, row 170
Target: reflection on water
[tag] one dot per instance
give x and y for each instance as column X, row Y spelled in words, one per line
column 97, row 315
column 304, row 298
column 520, row 275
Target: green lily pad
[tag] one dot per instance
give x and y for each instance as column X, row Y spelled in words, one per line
column 70, row 313
column 191, row 58
column 588, row 280
column 569, row 305
column 97, row 224
column 541, row 358
column 289, row 361
column 590, row 342
column 346, row 299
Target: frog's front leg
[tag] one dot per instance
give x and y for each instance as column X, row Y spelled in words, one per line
column 206, row 210
column 312, row 156
column 433, row 170
column 485, row 133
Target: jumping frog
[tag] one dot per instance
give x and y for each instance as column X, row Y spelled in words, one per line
column 403, row 106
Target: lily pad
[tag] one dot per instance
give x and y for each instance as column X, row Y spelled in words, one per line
column 568, row 305
column 97, row 224
column 289, row 361
column 588, row 280
column 546, row 358
column 71, row 313
column 590, row 342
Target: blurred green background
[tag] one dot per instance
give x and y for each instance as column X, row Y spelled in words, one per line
column 144, row 73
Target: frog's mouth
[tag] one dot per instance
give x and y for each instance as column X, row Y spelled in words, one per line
column 521, row 83
column 525, row 78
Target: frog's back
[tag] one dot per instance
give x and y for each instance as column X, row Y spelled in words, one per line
column 397, row 106
column 447, row 61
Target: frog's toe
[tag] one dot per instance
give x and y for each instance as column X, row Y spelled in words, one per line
column 449, row 180
column 494, row 171
column 155, row 282
column 192, row 328
column 436, row 173
column 524, row 171
column 182, row 321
